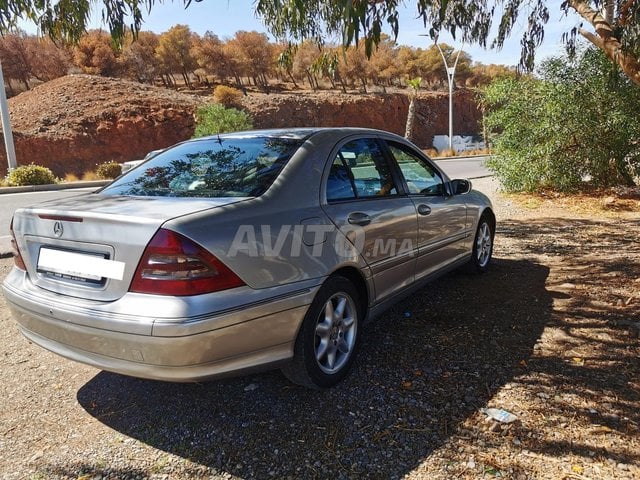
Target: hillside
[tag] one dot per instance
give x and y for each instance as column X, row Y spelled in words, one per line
column 75, row 122
column 386, row 111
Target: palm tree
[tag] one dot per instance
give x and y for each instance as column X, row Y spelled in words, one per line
column 414, row 85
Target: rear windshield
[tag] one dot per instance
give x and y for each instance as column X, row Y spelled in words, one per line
column 224, row 167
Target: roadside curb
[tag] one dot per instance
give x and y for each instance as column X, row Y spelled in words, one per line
column 458, row 157
column 480, row 176
column 54, row 186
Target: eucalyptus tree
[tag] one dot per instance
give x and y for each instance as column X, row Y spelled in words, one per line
column 613, row 25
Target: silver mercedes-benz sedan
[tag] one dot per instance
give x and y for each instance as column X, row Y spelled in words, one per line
column 243, row 251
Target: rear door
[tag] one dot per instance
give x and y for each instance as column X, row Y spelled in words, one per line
column 362, row 196
column 442, row 217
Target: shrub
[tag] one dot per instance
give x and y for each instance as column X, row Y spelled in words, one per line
column 572, row 127
column 109, row 170
column 30, row 175
column 215, row 118
column 227, row 96
column 71, row 177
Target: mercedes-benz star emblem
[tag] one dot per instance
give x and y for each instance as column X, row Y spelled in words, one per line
column 57, row 229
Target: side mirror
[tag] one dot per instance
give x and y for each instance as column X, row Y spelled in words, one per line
column 460, row 187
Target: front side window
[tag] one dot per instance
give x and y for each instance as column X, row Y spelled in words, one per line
column 223, row 167
column 421, row 178
column 360, row 170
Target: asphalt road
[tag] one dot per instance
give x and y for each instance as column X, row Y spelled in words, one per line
column 470, row 167
column 464, row 167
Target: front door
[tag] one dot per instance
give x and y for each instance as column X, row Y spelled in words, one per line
column 442, row 217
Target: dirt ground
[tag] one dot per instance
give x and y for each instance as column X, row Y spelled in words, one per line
column 548, row 334
column 564, row 328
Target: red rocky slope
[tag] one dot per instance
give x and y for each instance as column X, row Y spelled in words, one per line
column 75, row 122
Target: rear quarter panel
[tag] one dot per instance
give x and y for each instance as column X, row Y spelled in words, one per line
column 282, row 236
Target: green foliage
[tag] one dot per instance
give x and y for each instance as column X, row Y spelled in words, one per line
column 487, row 23
column 109, row 170
column 577, row 122
column 215, row 118
column 415, row 83
column 30, row 175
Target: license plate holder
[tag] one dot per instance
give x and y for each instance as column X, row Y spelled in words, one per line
column 87, row 267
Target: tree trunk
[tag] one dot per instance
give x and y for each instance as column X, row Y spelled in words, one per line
column 185, row 77
column 485, row 130
column 605, row 40
column 608, row 10
column 623, row 172
column 311, row 82
column 411, row 117
column 292, row 79
column 364, row 84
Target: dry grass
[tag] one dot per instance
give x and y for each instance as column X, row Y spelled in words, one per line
column 71, row 177
column 448, row 152
column 90, row 175
column 433, row 153
column 477, row 151
column 608, row 203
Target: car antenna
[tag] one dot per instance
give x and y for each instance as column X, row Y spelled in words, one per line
column 219, row 139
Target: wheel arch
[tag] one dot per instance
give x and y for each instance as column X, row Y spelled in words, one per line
column 356, row 278
column 488, row 212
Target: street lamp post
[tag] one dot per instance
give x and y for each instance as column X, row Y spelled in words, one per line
column 6, row 125
column 451, row 71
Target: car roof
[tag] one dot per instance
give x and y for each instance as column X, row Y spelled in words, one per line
column 299, row 133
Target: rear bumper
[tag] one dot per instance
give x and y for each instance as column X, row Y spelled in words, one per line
column 183, row 350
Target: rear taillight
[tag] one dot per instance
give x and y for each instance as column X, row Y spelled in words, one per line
column 174, row 265
column 17, row 256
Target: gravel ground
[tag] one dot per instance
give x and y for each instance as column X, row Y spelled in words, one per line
column 547, row 334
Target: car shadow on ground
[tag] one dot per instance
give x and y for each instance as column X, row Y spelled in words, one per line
column 425, row 366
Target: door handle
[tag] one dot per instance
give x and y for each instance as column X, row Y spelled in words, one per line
column 359, row 218
column 424, row 209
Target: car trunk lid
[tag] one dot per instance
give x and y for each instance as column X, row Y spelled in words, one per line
column 89, row 246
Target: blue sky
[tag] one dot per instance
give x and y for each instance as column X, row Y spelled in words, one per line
column 225, row 17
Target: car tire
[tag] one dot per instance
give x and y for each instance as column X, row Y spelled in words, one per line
column 482, row 246
column 329, row 337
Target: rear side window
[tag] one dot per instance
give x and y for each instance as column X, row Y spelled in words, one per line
column 224, row 167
